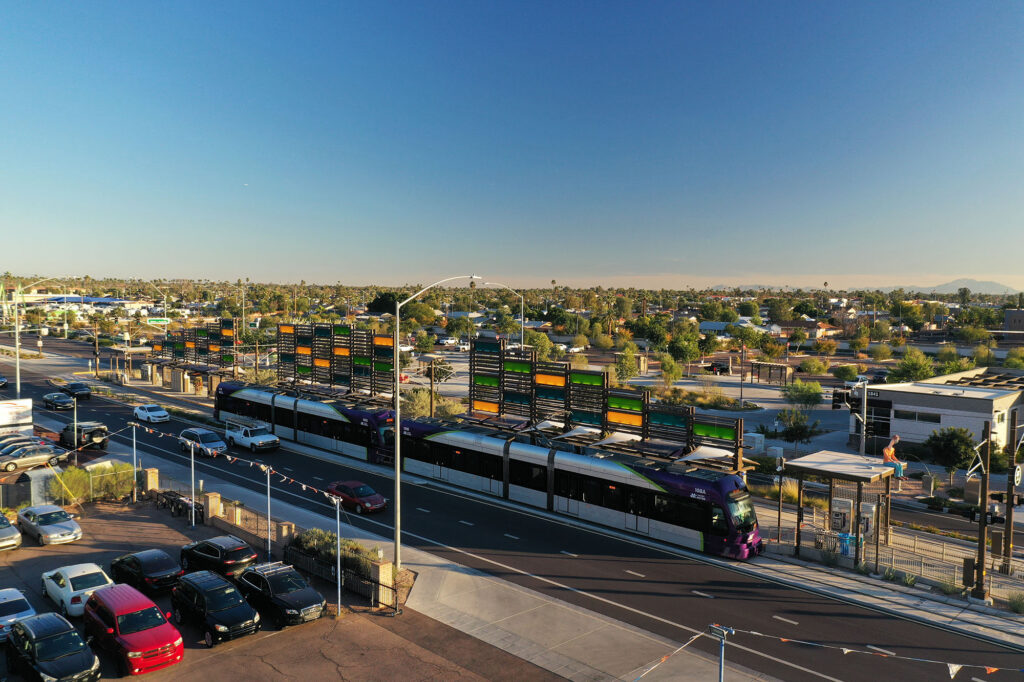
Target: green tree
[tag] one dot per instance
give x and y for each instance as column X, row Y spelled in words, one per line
column 972, row 335
column 826, row 347
column 858, row 343
column 684, row 350
column 951, row 447
column 708, row 344
column 954, row 366
column 541, row 344
column 845, row 372
column 602, row 342
column 1014, row 358
column 772, row 350
column 802, row 395
column 625, row 365
column 983, row 356
column 963, row 295
column 880, row 331
column 813, row 366
column 747, row 308
column 577, row 360
column 914, row 366
column 442, row 370
column 879, row 352
column 425, row 342
column 670, row 371
column 460, row 327
column 797, row 337
column 580, row 341
column 797, row 427
column 947, row 353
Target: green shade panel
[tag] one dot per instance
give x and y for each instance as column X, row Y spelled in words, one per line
column 630, row 404
column 287, row 358
column 520, row 367
column 485, row 381
column 201, row 332
column 517, row 398
column 227, row 324
column 322, row 332
column 341, row 378
column 587, row 379
column 383, row 367
column 365, row 362
column 303, row 370
column 227, row 359
column 714, row 431
column 305, row 340
column 487, row 347
column 342, row 330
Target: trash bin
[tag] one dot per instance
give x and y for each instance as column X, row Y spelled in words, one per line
column 847, row 544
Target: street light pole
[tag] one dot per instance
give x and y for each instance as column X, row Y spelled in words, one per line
column 522, row 316
column 269, row 547
column 398, row 414
column 20, row 291
column 192, row 459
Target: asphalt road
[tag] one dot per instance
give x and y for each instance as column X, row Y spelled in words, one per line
column 663, row 591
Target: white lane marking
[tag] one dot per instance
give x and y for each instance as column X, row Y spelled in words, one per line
column 513, row 537
column 786, row 620
column 574, row 556
column 513, row 569
column 466, row 523
column 425, row 511
column 975, row 679
column 317, row 478
column 638, row 575
column 881, row 650
column 703, row 594
column 287, row 468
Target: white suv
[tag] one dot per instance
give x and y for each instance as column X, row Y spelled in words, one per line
column 204, row 441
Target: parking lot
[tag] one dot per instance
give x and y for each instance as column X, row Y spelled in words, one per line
column 359, row 645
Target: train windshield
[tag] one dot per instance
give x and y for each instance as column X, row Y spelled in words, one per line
column 741, row 509
column 387, row 436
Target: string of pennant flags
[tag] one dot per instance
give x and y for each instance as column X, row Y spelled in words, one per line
column 232, row 459
column 953, row 668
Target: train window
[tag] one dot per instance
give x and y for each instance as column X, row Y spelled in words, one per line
column 527, row 475
column 489, row 466
column 284, row 417
column 564, row 483
column 680, row 511
column 613, row 497
column 719, row 525
column 591, row 490
column 261, row 411
column 639, row 502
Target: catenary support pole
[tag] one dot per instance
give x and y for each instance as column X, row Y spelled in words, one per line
column 192, row 466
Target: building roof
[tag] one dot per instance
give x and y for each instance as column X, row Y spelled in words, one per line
column 948, row 390
column 841, row 466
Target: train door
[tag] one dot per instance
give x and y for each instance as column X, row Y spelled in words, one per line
column 637, row 519
column 567, row 492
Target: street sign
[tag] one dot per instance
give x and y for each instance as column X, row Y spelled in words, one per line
column 254, row 325
column 158, row 320
column 1018, row 473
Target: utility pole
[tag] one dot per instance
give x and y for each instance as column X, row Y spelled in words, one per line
column 1014, row 445
column 432, row 387
column 979, row 591
column 96, row 348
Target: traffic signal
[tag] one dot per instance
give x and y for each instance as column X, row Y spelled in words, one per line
column 839, row 398
column 869, row 429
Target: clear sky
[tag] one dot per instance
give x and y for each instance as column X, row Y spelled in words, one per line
column 624, row 144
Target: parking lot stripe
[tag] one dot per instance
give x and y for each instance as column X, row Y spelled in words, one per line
column 425, row 511
column 703, row 594
column 574, row 556
column 466, row 523
column 793, row 622
column 513, row 537
column 638, row 575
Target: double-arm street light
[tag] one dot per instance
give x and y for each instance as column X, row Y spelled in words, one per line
column 522, row 315
column 20, row 291
column 398, row 414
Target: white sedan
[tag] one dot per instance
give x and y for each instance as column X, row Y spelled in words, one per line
column 151, row 414
column 13, row 607
column 70, row 586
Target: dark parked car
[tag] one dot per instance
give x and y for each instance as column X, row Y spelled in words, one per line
column 151, row 570
column 77, row 389
column 215, row 606
column 3, row 381
column 90, row 434
column 48, row 647
column 357, row 495
column 33, row 456
column 224, row 554
column 281, row 594
column 58, row 401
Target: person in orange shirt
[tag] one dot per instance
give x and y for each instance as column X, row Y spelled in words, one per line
column 889, row 458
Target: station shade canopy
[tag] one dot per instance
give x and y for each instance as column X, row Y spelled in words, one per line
column 706, row 452
column 841, row 466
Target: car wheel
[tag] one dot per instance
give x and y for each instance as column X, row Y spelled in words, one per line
column 252, row 447
column 39, row 539
column 54, row 461
column 231, row 442
column 64, row 609
column 179, row 617
column 10, row 466
column 208, row 638
column 359, row 509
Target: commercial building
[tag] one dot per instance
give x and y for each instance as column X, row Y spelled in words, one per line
column 914, row 410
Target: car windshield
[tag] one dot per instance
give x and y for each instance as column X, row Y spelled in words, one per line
column 150, row 408
column 363, row 491
column 238, row 554
column 58, row 646
column 209, row 438
column 13, row 606
column 261, row 431
column 77, row 387
column 283, row 583
column 50, row 518
column 222, row 598
column 84, row 582
column 137, row 621
column 4, row 523
column 741, row 509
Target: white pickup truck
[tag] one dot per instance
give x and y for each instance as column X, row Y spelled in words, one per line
column 250, row 433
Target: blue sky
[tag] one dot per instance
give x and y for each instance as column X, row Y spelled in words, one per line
column 623, row 144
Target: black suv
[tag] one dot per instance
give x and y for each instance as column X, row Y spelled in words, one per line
column 280, row 593
column 90, row 434
column 215, row 606
column 151, row 570
column 48, row 647
column 224, row 554
column 76, row 389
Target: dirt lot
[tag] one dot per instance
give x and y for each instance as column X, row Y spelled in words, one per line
column 357, row 646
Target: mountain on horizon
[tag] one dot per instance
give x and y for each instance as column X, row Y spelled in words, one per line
column 976, row 287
